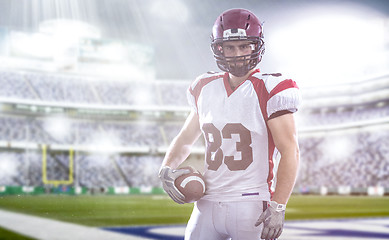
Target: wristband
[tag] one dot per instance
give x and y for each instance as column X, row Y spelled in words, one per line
column 277, row 206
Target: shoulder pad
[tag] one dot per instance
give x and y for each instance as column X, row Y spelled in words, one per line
column 209, row 74
column 205, row 76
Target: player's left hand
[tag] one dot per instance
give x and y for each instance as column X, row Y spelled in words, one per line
column 273, row 221
column 168, row 176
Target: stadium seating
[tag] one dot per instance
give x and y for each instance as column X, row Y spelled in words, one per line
column 367, row 163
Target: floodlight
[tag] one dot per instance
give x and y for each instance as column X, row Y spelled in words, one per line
column 329, row 47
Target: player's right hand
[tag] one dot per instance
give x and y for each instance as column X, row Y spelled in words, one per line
column 273, row 220
column 167, row 176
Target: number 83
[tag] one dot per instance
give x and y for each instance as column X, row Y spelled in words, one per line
column 243, row 146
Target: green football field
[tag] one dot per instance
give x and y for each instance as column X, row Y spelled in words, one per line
column 103, row 211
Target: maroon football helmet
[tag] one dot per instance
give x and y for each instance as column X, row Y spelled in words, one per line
column 237, row 25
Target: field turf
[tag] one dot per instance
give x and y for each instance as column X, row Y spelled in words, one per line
column 104, row 211
column 8, row 235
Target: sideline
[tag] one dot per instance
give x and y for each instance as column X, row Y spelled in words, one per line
column 48, row 229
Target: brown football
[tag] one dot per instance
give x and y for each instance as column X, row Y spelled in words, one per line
column 191, row 185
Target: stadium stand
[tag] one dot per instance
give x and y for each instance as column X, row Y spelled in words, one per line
column 367, row 164
column 117, row 130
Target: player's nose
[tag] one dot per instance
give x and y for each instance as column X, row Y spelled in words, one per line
column 240, row 53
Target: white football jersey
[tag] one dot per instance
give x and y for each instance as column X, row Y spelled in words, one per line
column 240, row 156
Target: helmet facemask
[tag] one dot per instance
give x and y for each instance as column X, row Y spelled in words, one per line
column 238, row 66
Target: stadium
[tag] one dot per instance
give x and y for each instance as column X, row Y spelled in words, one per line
column 90, row 101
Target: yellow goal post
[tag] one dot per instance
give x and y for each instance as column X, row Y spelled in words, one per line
column 57, row 182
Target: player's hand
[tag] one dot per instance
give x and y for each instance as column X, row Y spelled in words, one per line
column 167, row 176
column 273, row 221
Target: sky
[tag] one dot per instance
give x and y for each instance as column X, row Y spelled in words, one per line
column 314, row 41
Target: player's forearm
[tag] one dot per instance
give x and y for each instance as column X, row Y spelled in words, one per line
column 286, row 175
column 181, row 145
column 176, row 153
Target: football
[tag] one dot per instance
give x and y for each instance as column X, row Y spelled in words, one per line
column 191, row 185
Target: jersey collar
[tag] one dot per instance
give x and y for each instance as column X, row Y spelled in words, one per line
column 227, row 85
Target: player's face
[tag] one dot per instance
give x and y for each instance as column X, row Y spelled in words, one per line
column 237, row 48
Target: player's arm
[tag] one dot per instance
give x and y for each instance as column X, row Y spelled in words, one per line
column 181, row 145
column 177, row 152
column 284, row 135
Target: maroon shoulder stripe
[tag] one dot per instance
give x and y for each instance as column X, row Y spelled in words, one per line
column 288, row 83
column 199, row 86
column 263, row 97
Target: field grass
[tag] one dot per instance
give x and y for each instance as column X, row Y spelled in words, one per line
column 104, row 211
column 99, row 211
column 329, row 207
column 8, row 235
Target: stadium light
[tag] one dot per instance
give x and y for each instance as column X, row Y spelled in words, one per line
column 8, row 166
column 331, row 44
column 69, row 29
column 59, row 127
column 36, row 44
column 114, row 52
column 107, row 141
column 143, row 96
column 65, row 36
column 338, row 148
column 55, row 37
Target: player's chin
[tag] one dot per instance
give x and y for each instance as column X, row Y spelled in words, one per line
column 238, row 66
column 238, row 71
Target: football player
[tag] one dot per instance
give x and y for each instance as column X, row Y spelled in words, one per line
column 252, row 153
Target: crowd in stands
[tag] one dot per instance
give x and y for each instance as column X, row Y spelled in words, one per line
column 361, row 161
column 79, row 132
column 367, row 163
column 50, row 87
column 342, row 116
column 24, row 168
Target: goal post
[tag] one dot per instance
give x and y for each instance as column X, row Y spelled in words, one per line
column 57, row 182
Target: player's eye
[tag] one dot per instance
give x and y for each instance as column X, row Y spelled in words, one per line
column 228, row 48
column 245, row 47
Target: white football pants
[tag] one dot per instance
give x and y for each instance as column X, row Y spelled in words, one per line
column 224, row 221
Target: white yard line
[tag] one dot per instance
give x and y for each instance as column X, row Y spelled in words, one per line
column 48, row 229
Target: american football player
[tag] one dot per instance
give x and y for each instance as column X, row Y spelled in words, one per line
column 252, row 153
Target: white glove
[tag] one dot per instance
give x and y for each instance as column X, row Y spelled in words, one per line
column 273, row 220
column 167, row 176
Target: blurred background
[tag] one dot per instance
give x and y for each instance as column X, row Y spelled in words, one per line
column 92, row 92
